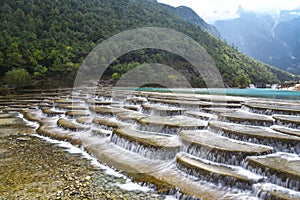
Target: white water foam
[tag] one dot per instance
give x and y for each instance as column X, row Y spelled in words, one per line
column 237, row 169
column 287, row 156
column 169, row 197
column 31, row 124
column 129, row 185
column 75, row 150
column 283, row 127
column 272, row 187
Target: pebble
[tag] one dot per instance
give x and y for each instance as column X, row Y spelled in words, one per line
column 23, row 139
column 88, row 178
column 64, row 175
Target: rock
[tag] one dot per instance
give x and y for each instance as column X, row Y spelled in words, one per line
column 88, row 178
column 23, row 139
column 9, row 121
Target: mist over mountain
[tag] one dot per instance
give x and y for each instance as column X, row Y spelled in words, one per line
column 273, row 39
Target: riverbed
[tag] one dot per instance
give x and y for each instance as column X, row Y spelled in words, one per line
column 36, row 167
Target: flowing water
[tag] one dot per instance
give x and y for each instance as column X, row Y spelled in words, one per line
column 107, row 143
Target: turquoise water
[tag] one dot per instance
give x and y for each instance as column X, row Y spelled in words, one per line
column 265, row 93
column 255, row 92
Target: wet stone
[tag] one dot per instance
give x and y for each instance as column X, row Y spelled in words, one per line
column 240, row 116
column 164, row 176
column 104, row 110
column 23, row 139
column 183, row 103
column 67, row 101
column 199, row 115
column 108, row 123
column 45, row 105
column 170, row 124
column 102, row 133
column 102, row 103
column 287, row 120
column 220, row 98
column 161, row 110
column 272, row 108
column 55, row 133
column 219, row 110
column 8, row 115
column 20, row 106
column 135, row 100
column 71, row 107
column 9, row 121
column 217, row 148
column 10, row 109
column 131, row 116
column 258, row 135
column 285, row 130
column 76, row 113
column 132, row 107
column 150, row 145
column 158, row 95
column 84, row 120
column 216, row 173
column 271, row 191
column 50, row 112
column 280, row 168
column 69, row 125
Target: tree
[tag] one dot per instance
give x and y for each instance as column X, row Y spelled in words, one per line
column 242, row 81
column 17, row 78
column 116, row 76
column 40, row 71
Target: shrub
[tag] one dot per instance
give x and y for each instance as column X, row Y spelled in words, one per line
column 17, row 78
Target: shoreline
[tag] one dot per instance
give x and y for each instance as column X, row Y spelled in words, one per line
column 38, row 167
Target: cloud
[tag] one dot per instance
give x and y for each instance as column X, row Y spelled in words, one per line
column 212, row 10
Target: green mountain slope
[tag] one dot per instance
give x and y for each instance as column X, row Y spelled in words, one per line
column 50, row 39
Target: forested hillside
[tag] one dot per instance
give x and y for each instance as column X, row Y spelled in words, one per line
column 45, row 42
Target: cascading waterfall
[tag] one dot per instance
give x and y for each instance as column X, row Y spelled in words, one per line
column 282, row 146
column 127, row 152
column 210, row 154
column 148, row 152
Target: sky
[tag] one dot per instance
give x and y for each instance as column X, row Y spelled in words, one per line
column 212, row 10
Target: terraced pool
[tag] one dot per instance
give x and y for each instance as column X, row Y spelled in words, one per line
column 192, row 146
